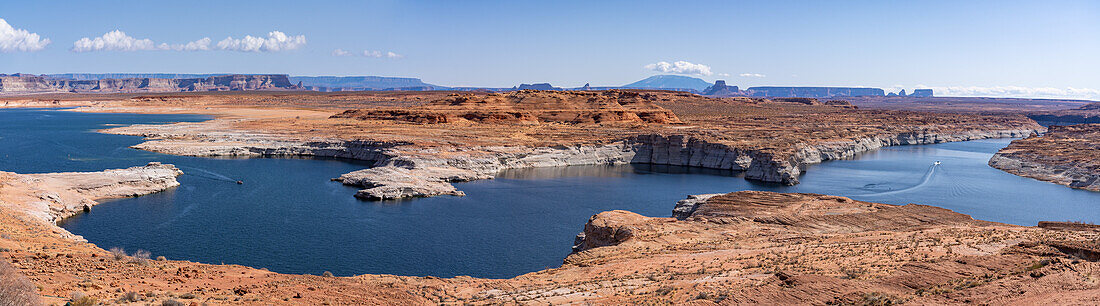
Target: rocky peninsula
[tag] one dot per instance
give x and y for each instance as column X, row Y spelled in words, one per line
column 1065, row 155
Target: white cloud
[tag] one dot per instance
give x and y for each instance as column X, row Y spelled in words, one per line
column 114, row 41
column 367, row 53
column 1016, row 92
column 752, row 75
column 680, row 67
column 198, row 45
column 12, row 39
column 275, row 41
column 118, row 41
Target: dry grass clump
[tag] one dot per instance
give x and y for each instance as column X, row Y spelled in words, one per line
column 129, row 297
column 81, row 299
column 16, row 289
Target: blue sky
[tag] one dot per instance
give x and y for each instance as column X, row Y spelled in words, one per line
column 1014, row 48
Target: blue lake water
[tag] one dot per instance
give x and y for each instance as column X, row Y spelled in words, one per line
column 288, row 217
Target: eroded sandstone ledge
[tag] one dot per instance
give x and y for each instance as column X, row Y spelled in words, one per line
column 1066, row 155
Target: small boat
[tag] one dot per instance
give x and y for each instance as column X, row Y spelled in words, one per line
column 936, row 163
column 240, row 182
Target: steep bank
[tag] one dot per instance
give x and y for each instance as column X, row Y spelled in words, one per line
column 1065, row 155
column 59, row 195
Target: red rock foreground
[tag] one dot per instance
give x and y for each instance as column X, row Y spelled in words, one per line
column 737, row 248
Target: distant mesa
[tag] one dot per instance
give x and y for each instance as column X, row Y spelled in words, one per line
column 917, row 93
column 720, row 89
column 814, row 92
column 25, row 84
column 670, row 82
column 922, row 93
column 363, row 83
column 537, row 86
column 168, row 82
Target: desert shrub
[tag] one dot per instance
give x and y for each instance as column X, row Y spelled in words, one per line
column 118, row 253
column 171, row 302
column 140, row 257
column 879, row 299
column 187, row 296
column 161, row 258
column 16, row 289
column 327, row 274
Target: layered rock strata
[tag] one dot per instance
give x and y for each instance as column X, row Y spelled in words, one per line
column 1065, row 155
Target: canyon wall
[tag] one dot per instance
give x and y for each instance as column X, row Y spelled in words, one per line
column 30, row 84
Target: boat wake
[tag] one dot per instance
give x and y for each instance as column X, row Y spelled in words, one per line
column 206, row 174
column 924, row 181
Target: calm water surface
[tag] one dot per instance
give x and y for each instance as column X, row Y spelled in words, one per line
column 288, row 217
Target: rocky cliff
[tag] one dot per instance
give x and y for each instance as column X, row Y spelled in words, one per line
column 28, row 84
column 1065, row 155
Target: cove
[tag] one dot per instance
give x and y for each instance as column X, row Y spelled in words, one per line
column 288, row 217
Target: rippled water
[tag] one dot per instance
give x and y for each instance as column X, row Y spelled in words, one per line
column 288, row 216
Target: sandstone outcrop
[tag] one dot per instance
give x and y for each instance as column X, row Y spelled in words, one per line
column 1065, row 155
